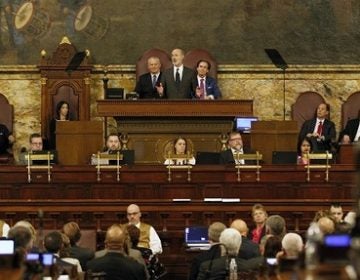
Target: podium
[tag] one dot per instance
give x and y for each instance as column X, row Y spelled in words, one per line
column 76, row 141
column 269, row 136
column 347, row 154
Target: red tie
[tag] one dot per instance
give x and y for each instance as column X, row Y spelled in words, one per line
column 320, row 128
column 202, row 88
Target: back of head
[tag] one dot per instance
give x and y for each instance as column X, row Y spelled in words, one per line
column 22, row 237
column 28, row 225
column 326, row 225
column 115, row 238
column 214, row 231
column 53, row 242
column 231, row 239
column 272, row 246
column 276, row 225
column 240, row 226
column 292, row 244
column 72, row 230
column 134, row 234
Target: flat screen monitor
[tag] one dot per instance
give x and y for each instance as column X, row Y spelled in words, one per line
column 243, row 124
column 196, row 236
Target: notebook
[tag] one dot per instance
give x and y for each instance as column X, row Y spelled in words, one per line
column 197, row 236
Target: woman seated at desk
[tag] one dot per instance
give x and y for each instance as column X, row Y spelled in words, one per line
column 180, row 148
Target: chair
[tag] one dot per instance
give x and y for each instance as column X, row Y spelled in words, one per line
column 141, row 64
column 350, row 108
column 305, row 106
column 6, row 118
column 193, row 56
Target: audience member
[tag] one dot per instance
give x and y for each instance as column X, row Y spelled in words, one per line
column 326, row 225
column 214, row 231
column 28, row 225
column 4, row 228
column 235, row 146
column 113, row 145
column 271, row 246
column 304, row 149
column 351, row 133
column 148, row 236
column 64, row 253
column 336, row 212
column 6, row 139
column 259, row 216
column 248, row 249
column 62, row 114
column 53, row 243
column 203, row 86
column 292, row 245
column 221, row 267
column 114, row 263
column 72, row 231
column 176, row 81
column 180, row 148
column 319, row 130
column 23, row 241
column 147, row 84
column 36, row 144
column 276, row 226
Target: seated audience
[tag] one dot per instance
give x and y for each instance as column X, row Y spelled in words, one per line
column 180, row 149
column 235, row 146
column 214, row 231
column 326, row 225
column 53, row 243
column 28, row 225
column 23, row 240
column 319, row 130
column 64, row 253
column 220, row 268
column 292, row 245
column 259, row 216
column 6, row 139
column 203, row 86
column 147, row 84
column 72, row 231
column 351, row 133
column 271, row 246
column 304, row 150
column 4, row 228
column 62, row 114
column 248, row 248
column 276, row 226
column 114, row 263
column 148, row 237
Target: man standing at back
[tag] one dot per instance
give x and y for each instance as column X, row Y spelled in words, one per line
column 147, row 84
column 176, row 81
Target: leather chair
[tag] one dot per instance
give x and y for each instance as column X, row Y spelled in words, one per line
column 141, row 64
column 350, row 108
column 6, row 118
column 193, row 56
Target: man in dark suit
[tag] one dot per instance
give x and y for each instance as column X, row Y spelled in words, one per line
column 147, row 83
column 248, row 249
column 214, row 231
column 320, row 130
column 115, row 264
column 235, row 144
column 176, row 81
column 351, row 133
column 222, row 267
column 203, row 86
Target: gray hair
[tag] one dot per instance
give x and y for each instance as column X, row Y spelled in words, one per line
column 292, row 244
column 276, row 225
column 231, row 239
column 214, row 231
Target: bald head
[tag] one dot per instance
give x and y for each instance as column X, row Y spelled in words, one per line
column 133, row 214
column 177, row 57
column 115, row 238
column 326, row 225
column 240, row 226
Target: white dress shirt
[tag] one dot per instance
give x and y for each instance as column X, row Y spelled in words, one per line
column 357, row 135
column 181, row 70
column 234, row 152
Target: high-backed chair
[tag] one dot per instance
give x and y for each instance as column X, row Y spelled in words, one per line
column 6, row 118
column 305, row 106
column 193, row 56
column 350, row 108
column 141, row 64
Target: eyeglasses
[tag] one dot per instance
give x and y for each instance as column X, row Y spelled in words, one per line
column 132, row 214
column 234, row 139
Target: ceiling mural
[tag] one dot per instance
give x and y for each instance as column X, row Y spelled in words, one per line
column 234, row 31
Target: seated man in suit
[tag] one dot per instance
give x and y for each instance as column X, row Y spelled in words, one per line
column 36, row 144
column 351, row 133
column 112, row 146
column 203, row 86
column 147, row 84
column 319, row 130
column 235, row 145
column 176, row 81
column 6, row 139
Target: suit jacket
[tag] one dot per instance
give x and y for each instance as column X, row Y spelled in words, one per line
column 145, row 88
column 82, row 254
column 210, row 85
column 226, row 157
column 117, row 266
column 219, row 266
column 328, row 132
column 180, row 91
column 213, row 253
column 350, row 129
column 248, row 249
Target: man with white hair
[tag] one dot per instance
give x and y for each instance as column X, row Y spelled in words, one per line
column 292, row 245
column 148, row 236
column 218, row 268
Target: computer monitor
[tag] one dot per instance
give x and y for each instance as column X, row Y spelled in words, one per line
column 114, row 93
column 243, row 124
column 196, row 236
